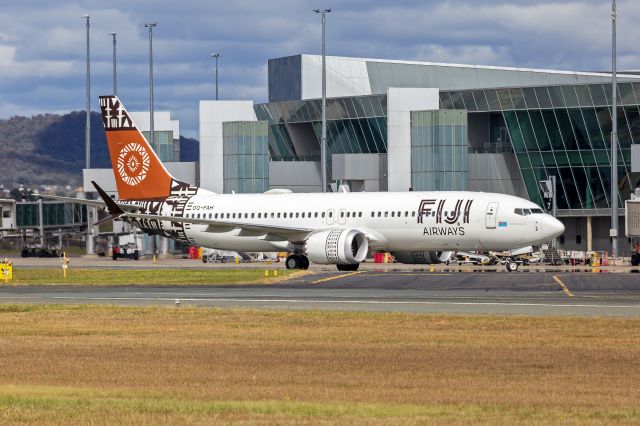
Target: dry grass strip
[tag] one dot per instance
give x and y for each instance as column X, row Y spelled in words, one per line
column 93, row 364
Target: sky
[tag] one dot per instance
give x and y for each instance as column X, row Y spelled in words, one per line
column 42, row 44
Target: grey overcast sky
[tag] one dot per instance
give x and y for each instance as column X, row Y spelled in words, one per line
column 42, row 43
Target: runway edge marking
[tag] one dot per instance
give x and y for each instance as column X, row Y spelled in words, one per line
column 564, row 287
column 335, row 277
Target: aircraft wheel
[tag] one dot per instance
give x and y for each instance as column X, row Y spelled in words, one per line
column 512, row 266
column 304, row 262
column 353, row 267
column 292, row 262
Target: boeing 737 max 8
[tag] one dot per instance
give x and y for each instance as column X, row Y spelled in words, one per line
column 326, row 228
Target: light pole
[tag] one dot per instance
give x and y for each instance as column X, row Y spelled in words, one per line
column 115, row 81
column 216, row 56
column 323, row 140
column 87, row 128
column 90, row 248
column 614, row 138
column 150, row 26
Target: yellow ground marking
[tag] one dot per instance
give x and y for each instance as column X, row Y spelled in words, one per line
column 564, row 287
column 335, row 277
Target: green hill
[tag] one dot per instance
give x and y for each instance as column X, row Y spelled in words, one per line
column 50, row 148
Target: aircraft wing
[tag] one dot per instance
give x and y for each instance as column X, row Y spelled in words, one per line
column 271, row 232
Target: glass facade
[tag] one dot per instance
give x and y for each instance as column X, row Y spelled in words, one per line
column 439, row 150
column 553, row 130
column 565, row 131
column 163, row 145
column 354, row 125
column 245, row 156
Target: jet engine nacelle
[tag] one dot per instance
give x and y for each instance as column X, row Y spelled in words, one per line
column 337, row 247
column 422, row 257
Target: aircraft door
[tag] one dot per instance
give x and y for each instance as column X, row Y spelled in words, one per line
column 491, row 216
column 329, row 217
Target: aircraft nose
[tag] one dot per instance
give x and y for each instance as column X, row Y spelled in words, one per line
column 554, row 226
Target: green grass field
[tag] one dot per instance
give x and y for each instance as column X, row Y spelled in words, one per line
column 114, row 365
column 54, row 276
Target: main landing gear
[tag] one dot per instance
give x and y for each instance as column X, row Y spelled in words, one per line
column 297, row 261
column 352, row 267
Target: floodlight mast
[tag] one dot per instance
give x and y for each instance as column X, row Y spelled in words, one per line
column 151, row 26
column 323, row 139
column 216, row 56
column 115, row 81
column 90, row 246
column 614, row 137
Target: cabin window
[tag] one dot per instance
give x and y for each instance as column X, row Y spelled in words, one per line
column 348, row 214
column 303, row 215
column 252, row 215
column 330, row 214
column 393, row 214
column 359, row 214
column 341, row 214
column 315, row 214
column 386, row 214
column 406, row 214
column 259, row 215
column 216, row 215
column 323, row 215
column 413, row 214
column 246, row 215
column 373, row 214
column 379, row 214
column 578, row 239
column 399, row 214
column 271, row 215
column 297, row 215
column 278, row 215
column 228, row 215
column 210, row 215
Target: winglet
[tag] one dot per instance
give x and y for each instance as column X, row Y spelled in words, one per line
column 114, row 210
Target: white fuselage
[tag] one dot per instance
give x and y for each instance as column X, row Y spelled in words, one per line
column 400, row 221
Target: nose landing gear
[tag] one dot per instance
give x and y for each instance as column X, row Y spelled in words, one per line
column 511, row 266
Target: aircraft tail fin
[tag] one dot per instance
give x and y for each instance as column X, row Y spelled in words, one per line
column 139, row 173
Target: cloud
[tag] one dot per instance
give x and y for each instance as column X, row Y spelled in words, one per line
column 42, row 43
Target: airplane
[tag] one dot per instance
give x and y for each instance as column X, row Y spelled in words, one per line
column 338, row 228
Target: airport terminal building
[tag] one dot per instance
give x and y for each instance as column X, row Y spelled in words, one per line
column 400, row 125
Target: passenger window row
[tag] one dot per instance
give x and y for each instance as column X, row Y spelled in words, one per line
column 298, row 215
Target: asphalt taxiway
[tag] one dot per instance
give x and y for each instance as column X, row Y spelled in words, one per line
column 437, row 291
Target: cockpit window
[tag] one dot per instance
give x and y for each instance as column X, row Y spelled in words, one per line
column 527, row 212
